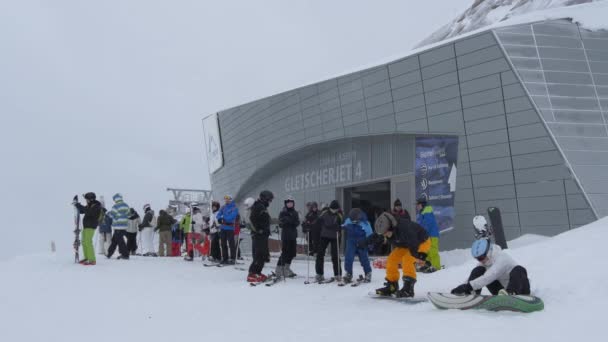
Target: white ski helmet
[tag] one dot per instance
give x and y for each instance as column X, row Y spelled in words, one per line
column 480, row 223
column 248, row 202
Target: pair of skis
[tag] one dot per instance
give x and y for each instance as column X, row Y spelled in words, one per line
column 357, row 282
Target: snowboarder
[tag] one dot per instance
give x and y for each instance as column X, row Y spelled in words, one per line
column 331, row 221
column 357, row 229
column 289, row 220
column 163, row 226
column 410, row 243
column 134, row 221
column 120, row 221
column 260, row 231
column 92, row 215
column 104, row 236
column 426, row 218
column 312, row 227
column 496, row 270
column 146, row 227
column 226, row 217
column 398, row 210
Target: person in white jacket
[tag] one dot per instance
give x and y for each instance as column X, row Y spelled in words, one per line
column 196, row 238
column 496, row 271
column 146, row 228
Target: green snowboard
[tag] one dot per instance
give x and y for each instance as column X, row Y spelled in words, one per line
column 516, row 303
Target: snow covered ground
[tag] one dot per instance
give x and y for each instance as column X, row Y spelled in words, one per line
column 48, row 298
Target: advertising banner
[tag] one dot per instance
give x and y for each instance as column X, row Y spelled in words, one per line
column 213, row 143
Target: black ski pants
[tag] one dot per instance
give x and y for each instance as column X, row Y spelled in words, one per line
column 323, row 243
column 260, row 247
column 131, row 242
column 227, row 240
column 215, row 251
column 518, row 281
column 118, row 239
column 288, row 252
column 314, row 240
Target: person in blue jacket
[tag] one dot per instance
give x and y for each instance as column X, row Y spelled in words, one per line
column 426, row 218
column 357, row 230
column 226, row 217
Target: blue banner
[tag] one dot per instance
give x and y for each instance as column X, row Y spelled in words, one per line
column 436, row 176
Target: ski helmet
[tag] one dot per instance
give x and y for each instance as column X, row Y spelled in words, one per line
column 384, row 223
column 481, row 248
column 228, row 198
column 89, row 196
column 248, row 202
column 266, row 196
column 481, row 227
column 289, row 199
column 146, row 207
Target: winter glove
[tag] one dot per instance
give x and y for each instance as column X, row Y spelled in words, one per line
column 220, row 221
column 193, row 223
column 463, row 289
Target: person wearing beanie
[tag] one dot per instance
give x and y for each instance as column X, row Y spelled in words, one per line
column 398, row 210
column 331, row 223
column 120, row 221
column 146, row 228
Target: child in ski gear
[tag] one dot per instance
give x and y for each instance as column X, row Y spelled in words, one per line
column 146, row 227
column 357, row 229
column 426, row 218
column 496, row 270
column 105, row 230
column 331, row 221
column 195, row 239
column 398, row 210
column 120, row 221
column 134, row 222
column 289, row 220
column 163, row 226
column 410, row 244
column 177, row 239
column 226, row 217
column 312, row 227
column 260, row 231
column 92, row 214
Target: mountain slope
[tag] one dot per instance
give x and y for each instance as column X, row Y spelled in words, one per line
column 487, row 12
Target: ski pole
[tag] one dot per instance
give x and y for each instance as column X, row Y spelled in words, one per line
column 339, row 263
column 308, row 256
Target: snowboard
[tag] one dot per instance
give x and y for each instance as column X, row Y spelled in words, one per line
column 406, row 300
column 516, row 303
column 76, row 230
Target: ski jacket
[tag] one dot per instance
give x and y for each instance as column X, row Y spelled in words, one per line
column 213, row 225
column 134, row 221
column 289, row 220
column 330, row 224
column 226, row 216
column 408, row 234
column 92, row 214
column 147, row 222
column 498, row 267
column 164, row 222
column 105, row 226
column 186, row 223
column 402, row 213
column 311, row 222
column 260, row 219
column 358, row 230
column 120, row 215
column 426, row 218
column 198, row 223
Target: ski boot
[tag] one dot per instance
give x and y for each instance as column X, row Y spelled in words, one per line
column 390, row 287
column 90, row 263
column 426, row 268
column 280, row 272
column 188, row 258
column 319, row 278
column 407, row 291
column 347, row 279
column 288, row 272
column 83, row 261
column 367, row 278
column 123, row 257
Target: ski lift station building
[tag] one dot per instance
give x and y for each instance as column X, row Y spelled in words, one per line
column 514, row 117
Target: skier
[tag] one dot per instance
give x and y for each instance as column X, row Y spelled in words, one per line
column 426, row 218
column 120, row 222
column 312, row 227
column 134, row 221
column 260, row 231
column 105, row 229
column 496, row 270
column 163, row 226
column 146, row 227
column 197, row 236
column 215, row 254
column 357, row 229
column 289, row 220
column 410, row 243
column 398, row 210
column 226, row 217
column 92, row 214
column 331, row 221
column 185, row 226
